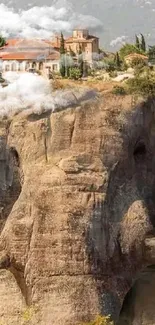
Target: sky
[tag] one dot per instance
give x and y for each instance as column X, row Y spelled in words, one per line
column 114, row 22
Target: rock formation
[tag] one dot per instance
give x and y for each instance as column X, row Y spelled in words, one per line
column 77, row 193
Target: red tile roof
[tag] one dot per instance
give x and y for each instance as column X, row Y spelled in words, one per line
column 136, row 55
column 29, row 56
column 27, row 43
column 12, row 42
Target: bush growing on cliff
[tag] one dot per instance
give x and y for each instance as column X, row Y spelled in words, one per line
column 138, row 63
column 127, row 49
column 142, row 85
column 101, row 320
column 119, row 90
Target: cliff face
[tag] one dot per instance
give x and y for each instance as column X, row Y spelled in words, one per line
column 77, row 207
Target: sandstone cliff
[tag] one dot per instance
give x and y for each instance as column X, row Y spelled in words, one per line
column 76, row 210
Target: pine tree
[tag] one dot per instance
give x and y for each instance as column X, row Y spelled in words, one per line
column 143, row 44
column 62, row 56
column 138, row 45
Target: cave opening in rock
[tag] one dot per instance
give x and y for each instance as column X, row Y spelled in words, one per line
column 139, row 150
column 138, row 306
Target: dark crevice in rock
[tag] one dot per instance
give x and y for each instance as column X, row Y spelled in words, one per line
column 72, row 132
column 15, row 156
column 12, row 180
column 21, row 282
column 45, row 146
column 36, row 117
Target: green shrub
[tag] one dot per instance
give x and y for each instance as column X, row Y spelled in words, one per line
column 91, row 72
column 142, row 85
column 111, row 66
column 113, row 74
column 74, row 73
column 138, row 63
column 127, row 49
column 119, row 90
column 100, row 320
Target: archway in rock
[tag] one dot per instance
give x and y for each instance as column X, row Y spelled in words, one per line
column 139, row 304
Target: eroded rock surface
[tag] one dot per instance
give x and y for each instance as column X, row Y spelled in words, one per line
column 79, row 215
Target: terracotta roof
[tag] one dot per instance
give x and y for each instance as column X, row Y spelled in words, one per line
column 12, row 42
column 135, row 55
column 29, row 56
column 27, row 44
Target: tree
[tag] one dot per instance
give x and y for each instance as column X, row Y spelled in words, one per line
column 80, row 61
column 69, row 63
column 110, row 65
column 62, row 44
column 71, row 52
column 143, row 44
column 62, row 56
column 117, row 60
column 151, row 54
column 2, row 41
column 128, row 49
column 137, row 44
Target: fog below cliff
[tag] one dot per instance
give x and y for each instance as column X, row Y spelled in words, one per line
column 29, row 91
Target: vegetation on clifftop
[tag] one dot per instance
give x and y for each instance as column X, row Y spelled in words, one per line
column 100, row 320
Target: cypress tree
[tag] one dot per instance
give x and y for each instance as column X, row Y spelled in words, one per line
column 62, row 56
column 143, row 44
column 138, row 45
column 2, row 41
column 117, row 60
column 80, row 61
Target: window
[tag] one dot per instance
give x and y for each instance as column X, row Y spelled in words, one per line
column 33, row 65
column 7, row 67
column 55, row 67
column 40, row 65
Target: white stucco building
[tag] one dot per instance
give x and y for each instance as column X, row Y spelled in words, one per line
column 22, row 55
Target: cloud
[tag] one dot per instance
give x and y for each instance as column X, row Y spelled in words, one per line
column 144, row 2
column 42, row 22
column 28, row 91
column 118, row 41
